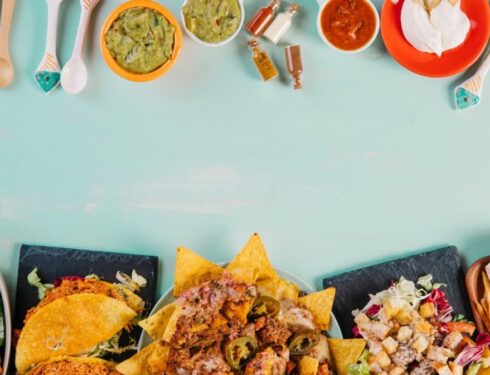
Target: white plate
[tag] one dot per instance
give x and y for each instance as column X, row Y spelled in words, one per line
column 168, row 298
column 8, row 323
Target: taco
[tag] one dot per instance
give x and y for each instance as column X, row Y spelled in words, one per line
column 78, row 316
column 74, row 365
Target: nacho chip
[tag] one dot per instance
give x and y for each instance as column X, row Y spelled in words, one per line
column 172, row 323
column 345, row 353
column 320, row 305
column 70, row 326
column 151, row 360
column 251, row 264
column 308, row 365
column 278, row 288
column 192, row 270
column 156, row 324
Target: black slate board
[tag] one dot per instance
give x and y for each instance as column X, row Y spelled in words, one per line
column 352, row 288
column 53, row 262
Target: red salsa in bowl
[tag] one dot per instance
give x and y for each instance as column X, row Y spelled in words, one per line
column 349, row 25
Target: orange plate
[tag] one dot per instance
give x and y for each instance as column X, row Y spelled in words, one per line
column 427, row 64
column 119, row 69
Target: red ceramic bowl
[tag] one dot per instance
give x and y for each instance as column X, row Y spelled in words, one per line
column 427, row 64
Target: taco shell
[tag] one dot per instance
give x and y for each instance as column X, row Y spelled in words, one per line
column 320, row 305
column 252, row 263
column 73, row 325
column 192, row 270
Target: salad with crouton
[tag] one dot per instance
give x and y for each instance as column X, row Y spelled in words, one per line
column 411, row 328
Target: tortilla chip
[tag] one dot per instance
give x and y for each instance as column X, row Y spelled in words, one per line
column 345, row 353
column 308, row 365
column 251, row 264
column 70, row 326
column 151, row 360
column 192, row 270
column 278, row 288
column 172, row 323
column 156, row 324
column 320, row 305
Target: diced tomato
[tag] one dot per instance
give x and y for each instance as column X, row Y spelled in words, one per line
column 260, row 323
column 290, row 367
column 323, row 370
column 462, row 327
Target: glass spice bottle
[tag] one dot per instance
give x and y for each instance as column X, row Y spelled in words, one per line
column 262, row 19
column 294, row 64
column 281, row 24
column 262, row 61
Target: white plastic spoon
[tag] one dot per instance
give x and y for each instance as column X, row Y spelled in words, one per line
column 6, row 66
column 74, row 74
column 48, row 72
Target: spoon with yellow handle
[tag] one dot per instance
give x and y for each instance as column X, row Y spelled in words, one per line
column 6, row 66
column 74, row 74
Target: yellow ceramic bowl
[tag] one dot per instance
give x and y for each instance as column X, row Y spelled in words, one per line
column 118, row 69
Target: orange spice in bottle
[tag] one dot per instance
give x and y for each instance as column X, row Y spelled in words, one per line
column 263, row 62
column 262, row 19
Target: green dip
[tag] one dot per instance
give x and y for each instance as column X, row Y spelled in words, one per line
column 140, row 40
column 212, row 21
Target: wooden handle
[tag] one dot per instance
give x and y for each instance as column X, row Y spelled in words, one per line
column 7, row 13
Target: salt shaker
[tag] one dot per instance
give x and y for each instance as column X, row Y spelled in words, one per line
column 281, row 24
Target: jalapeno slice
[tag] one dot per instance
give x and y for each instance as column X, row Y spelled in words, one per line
column 264, row 306
column 304, row 342
column 239, row 351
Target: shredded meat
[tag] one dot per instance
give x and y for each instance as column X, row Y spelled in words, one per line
column 274, row 332
column 73, row 368
column 266, row 363
column 208, row 361
column 404, row 356
column 71, row 287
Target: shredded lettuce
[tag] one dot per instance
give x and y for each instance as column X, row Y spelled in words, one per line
column 93, row 276
column 112, row 346
column 34, row 280
column 425, row 281
column 361, row 368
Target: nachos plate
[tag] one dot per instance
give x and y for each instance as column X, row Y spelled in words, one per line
column 240, row 317
column 168, row 298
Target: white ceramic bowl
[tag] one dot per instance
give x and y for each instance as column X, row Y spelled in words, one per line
column 322, row 4
column 219, row 44
column 8, row 323
column 168, row 298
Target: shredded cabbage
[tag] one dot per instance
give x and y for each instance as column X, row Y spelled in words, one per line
column 134, row 283
column 473, row 369
column 112, row 346
column 34, row 280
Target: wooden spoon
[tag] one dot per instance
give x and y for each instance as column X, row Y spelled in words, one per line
column 474, row 287
column 6, row 66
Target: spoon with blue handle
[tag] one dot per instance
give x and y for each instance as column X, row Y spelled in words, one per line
column 74, row 74
column 468, row 94
column 48, row 73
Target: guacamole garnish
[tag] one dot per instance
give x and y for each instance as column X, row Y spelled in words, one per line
column 141, row 40
column 212, row 21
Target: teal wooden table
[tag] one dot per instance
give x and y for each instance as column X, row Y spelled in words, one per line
column 368, row 162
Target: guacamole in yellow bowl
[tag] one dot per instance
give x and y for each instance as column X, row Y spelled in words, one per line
column 140, row 40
